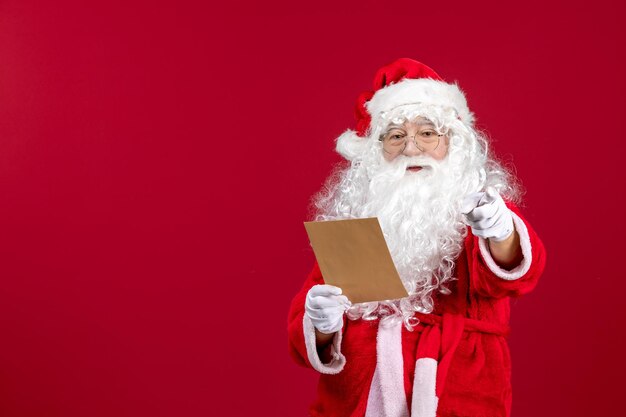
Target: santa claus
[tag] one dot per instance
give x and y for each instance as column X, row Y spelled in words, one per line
column 448, row 212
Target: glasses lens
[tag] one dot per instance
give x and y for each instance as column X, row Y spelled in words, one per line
column 427, row 140
column 393, row 142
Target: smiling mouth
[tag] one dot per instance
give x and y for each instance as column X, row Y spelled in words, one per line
column 414, row 169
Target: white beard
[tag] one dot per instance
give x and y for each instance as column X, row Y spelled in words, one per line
column 419, row 213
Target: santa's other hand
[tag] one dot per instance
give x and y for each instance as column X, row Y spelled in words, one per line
column 325, row 307
column 487, row 215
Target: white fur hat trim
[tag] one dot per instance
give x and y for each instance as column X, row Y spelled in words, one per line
column 421, row 90
column 408, row 91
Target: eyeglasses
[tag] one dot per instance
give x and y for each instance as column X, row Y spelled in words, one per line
column 395, row 140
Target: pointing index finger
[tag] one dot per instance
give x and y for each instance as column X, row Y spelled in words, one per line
column 471, row 201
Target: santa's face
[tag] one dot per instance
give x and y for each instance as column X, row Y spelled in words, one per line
column 414, row 138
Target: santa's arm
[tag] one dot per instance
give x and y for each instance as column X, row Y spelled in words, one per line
column 495, row 277
column 306, row 346
column 322, row 339
column 507, row 253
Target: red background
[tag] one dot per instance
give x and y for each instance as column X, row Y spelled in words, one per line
column 156, row 163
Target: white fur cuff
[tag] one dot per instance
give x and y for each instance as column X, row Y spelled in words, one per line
column 337, row 362
column 523, row 267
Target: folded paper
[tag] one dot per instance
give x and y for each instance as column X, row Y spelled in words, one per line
column 353, row 255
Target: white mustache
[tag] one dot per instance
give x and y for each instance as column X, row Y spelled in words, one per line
column 403, row 162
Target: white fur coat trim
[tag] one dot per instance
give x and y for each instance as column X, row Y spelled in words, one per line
column 337, row 361
column 425, row 401
column 523, row 267
column 386, row 396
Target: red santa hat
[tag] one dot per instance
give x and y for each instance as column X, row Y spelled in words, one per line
column 404, row 81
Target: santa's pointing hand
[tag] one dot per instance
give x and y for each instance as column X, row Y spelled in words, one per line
column 488, row 215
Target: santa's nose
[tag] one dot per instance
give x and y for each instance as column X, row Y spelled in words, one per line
column 411, row 149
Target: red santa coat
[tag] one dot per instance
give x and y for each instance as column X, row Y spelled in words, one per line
column 455, row 363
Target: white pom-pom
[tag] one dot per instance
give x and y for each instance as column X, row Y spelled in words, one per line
column 350, row 145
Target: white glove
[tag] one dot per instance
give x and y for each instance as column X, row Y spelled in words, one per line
column 487, row 214
column 325, row 307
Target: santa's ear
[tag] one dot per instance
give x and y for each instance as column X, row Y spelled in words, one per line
column 350, row 145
